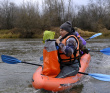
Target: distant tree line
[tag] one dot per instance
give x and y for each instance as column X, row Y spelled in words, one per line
column 29, row 18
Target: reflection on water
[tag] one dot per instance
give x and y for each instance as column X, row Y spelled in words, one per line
column 16, row 78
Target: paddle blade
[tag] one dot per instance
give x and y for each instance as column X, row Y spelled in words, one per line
column 101, row 77
column 41, row 58
column 106, row 51
column 9, row 59
column 98, row 34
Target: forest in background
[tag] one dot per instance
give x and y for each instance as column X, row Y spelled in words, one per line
column 31, row 19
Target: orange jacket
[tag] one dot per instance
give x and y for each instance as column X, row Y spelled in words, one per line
column 63, row 57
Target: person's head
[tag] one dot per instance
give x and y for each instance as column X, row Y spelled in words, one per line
column 66, row 28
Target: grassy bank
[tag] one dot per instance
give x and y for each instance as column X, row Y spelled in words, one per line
column 8, row 34
column 20, row 33
column 105, row 33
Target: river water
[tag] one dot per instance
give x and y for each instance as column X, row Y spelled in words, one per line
column 16, row 78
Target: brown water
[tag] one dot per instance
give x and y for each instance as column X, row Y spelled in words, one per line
column 16, row 78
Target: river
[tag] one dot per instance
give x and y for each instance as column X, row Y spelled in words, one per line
column 16, row 78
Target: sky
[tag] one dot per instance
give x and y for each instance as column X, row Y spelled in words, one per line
column 77, row 2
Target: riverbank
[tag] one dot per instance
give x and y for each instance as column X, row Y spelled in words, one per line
column 21, row 33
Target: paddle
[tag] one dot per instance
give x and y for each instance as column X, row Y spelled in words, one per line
column 98, row 34
column 12, row 60
column 104, row 51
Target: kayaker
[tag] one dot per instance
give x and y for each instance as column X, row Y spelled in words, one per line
column 68, row 53
column 82, row 44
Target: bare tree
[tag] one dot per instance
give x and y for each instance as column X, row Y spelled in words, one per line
column 30, row 18
column 7, row 14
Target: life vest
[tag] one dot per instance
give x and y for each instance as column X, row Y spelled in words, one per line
column 69, row 60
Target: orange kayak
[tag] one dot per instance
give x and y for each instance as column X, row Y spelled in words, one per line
column 59, row 84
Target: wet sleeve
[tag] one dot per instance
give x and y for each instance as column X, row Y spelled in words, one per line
column 70, row 47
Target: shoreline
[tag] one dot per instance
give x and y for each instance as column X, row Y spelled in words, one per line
column 19, row 33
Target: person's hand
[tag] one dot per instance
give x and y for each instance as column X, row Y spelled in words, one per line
column 86, row 51
column 58, row 40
